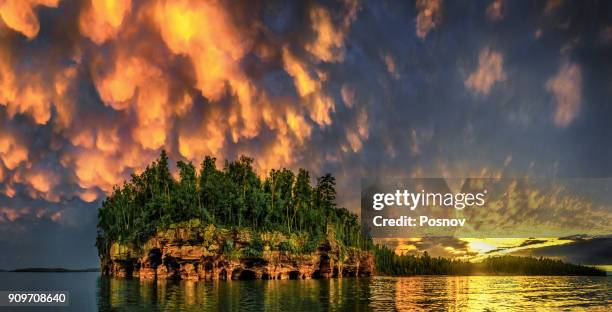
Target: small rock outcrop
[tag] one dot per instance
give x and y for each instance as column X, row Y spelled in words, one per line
column 210, row 253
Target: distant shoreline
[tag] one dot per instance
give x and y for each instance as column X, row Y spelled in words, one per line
column 51, row 270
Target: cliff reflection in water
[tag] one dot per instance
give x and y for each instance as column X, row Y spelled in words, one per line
column 464, row 293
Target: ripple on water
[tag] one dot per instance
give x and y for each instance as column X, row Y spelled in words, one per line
column 454, row 293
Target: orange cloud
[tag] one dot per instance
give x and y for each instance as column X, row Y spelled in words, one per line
column 64, row 101
column 490, row 70
column 118, row 87
column 495, row 10
column 202, row 30
column 88, row 195
column 94, row 169
column 41, row 181
column 29, row 97
column 102, row 19
column 328, row 44
column 19, row 15
column 56, row 216
column 9, row 214
column 12, row 152
column 108, row 141
column 566, row 88
column 304, row 83
column 209, row 139
column 356, row 136
column 309, row 87
column 170, row 75
column 137, row 85
column 429, row 16
column 298, row 125
column 348, row 95
column 391, row 67
column 29, row 92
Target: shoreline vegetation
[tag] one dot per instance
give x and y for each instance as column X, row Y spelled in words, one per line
column 389, row 263
column 229, row 223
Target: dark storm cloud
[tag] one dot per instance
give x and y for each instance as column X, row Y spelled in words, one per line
column 595, row 251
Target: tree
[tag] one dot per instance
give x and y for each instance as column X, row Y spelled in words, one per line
column 211, row 188
column 186, row 197
column 302, row 195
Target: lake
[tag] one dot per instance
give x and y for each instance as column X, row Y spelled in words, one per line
column 91, row 292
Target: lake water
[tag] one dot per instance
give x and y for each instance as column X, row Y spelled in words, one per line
column 91, row 292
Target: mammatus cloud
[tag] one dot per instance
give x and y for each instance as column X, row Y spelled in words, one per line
column 495, row 10
column 356, row 135
column 347, row 93
column 429, row 16
column 101, row 19
column 328, row 45
column 391, row 66
column 19, row 15
column 12, row 152
column 490, row 70
column 127, row 79
column 566, row 89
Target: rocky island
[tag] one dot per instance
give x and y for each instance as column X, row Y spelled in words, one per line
column 229, row 224
column 209, row 253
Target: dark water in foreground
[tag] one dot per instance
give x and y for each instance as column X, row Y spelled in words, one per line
column 91, row 292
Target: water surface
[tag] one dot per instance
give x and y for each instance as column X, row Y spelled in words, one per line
column 91, row 292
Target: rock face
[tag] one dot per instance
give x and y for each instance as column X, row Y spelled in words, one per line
column 208, row 253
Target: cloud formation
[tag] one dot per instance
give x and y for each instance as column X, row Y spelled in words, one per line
column 566, row 89
column 490, row 70
column 495, row 10
column 429, row 16
column 19, row 15
column 128, row 79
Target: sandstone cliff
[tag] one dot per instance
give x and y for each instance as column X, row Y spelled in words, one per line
column 207, row 252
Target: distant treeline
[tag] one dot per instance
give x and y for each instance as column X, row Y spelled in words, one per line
column 55, row 270
column 389, row 263
column 232, row 197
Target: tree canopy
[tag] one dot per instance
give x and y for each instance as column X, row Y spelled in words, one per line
column 233, row 197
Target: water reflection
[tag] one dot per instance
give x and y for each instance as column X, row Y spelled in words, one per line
column 475, row 293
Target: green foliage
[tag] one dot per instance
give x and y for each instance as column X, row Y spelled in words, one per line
column 389, row 263
column 233, row 197
column 228, row 248
column 255, row 248
column 310, row 245
column 287, row 246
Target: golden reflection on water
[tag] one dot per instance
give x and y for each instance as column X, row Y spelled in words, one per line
column 496, row 293
column 419, row 293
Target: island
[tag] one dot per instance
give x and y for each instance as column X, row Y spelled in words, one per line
column 230, row 223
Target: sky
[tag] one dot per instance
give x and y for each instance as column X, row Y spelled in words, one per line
column 91, row 91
